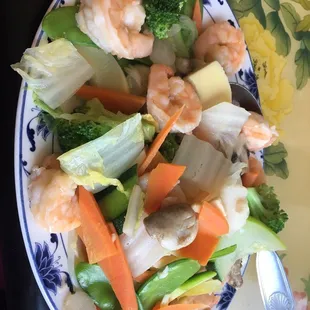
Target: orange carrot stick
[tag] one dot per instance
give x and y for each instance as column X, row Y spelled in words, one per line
column 161, row 181
column 94, row 233
column 211, row 225
column 182, row 307
column 118, row 273
column 215, row 221
column 255, row 176
column 156, row 160
column 112, row 100
column 197, row 16
column 159, row 140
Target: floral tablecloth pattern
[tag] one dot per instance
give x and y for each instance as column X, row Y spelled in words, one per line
column 278, row 37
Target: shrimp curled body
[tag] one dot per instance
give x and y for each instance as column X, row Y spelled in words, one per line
column 53, row 201
column 224, row 43
column 115, row 25
column 167, row 94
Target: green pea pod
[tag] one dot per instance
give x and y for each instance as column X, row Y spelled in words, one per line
column 61, row 23
column 166, row 280
column 94, row 282
column 111, row 201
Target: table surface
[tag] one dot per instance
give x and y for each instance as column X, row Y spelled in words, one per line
column 22, row 18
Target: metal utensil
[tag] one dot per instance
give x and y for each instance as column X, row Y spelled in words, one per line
column 244, row 98
column 274, row 286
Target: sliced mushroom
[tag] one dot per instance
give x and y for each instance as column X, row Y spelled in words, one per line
column 174, row 227
column 234, row 277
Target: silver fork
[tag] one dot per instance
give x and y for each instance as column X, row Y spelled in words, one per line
column 274, row 286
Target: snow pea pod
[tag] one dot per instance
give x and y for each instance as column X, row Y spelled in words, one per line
column 94, row 282
column 166, row 280
column 61, row 23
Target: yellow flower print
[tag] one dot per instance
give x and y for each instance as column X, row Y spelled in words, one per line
column 276, row 94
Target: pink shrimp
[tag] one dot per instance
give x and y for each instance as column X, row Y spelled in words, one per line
column 224, row 43
column 115, row 25
column 52, row 197
column 166, row 94
column 257, row 132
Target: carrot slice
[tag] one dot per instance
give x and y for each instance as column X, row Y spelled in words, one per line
column 112, row 100
column 155, row 161
column 211, row 225
column 197, row 16
column 159, row 140
column 94, row 233
column 215, row 221
column 117, row 271
column 161, row 181
column 255, row 176
column 145, row 275
column 182, row 307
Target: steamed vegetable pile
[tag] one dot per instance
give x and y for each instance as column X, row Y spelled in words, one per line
column 155, row 177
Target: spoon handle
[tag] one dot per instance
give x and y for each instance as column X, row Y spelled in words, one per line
column 274, row 286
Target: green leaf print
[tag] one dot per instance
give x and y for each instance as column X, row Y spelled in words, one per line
column 307, row 286
column 274, row 154
column 291, row 18
column 274, row 4
column 304, row 3
column 302, row 61
column 275, row 26
column 306, row 40
column 304, row 25
column 274, row 161
column 243, row 8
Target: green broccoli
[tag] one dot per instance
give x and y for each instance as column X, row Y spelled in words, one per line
column 72, row 134
column 169, row 147
column 162, row 14
column 265, row 206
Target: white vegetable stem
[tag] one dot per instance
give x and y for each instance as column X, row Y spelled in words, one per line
column 205, row 174
column 135, row 206
column 54, row 71
column 142, row 251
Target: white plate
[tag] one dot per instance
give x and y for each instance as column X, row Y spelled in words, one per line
column 47, row 252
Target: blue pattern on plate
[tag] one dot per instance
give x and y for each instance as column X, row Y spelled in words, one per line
column 49, row 268
column 248, row 76
column 40, row 129
column 206, row 2
column 227, row 295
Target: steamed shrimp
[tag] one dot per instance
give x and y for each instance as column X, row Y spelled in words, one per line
column 258, row 133
column 53, row 201
column 167, row 94
column 223, row 43
column 115, row 25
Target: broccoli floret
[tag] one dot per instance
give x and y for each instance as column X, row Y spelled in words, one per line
column 161, row 15
column 169, row 147
column 72, row 134
column 265, row 206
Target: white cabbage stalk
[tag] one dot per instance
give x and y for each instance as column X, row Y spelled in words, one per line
column 135, row 207
column 78, row 301
column 163, row 53
column 206, row 168
column 175, row 196
column 107, row 72
column 141, row 251
column 54, row 71
column 221, row 125
column 100, row 162
column 137, row 78
column 235, row 204
column 76, row 254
